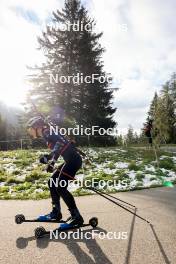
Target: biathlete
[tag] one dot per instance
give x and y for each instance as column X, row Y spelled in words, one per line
column 58, row 183
column 148, row 131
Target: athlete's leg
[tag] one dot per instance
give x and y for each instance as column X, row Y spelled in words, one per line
column 68, row 172
column 53, row 183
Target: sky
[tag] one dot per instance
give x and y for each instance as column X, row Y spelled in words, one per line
column 139, row 38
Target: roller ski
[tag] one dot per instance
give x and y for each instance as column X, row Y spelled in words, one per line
column 41, row 232
column 53, row 217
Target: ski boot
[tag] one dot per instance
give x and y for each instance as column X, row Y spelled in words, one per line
column 74, row 220
column 53, row 215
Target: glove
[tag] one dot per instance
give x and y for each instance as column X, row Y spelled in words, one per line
column 50, row 167
column 44, row 159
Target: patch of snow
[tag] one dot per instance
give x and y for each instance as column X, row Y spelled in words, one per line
column 174, row 159
column 150, row 168
column 110, row 151
column 21, row 177
column 121, row 165
column 139, row 162
column 172, row 174
column 132, row 175
column 38, row 190
column 163, row 157
column 10, row 168
column 109, row 171
column 133, row 184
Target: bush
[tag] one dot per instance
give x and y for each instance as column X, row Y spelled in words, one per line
column 133, row 166
column 24, row 186
column 2, row 178
column 167, row 164
column 4, row 189
column 12, row 179
column 33, row 176
column 42, row 195
column 153, row 178
column 16, row 172
column 111, row 166
column 140, row 176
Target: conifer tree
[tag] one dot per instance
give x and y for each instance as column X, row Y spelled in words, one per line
column 68, row 53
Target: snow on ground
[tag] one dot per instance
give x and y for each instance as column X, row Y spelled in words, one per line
column 143, row 176
column 150, row 168
column 121, row 165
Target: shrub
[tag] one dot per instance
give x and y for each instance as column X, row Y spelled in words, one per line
column 140, row 176
column 24, row 186
column 33, row 176
column 153, row 178
column 12, row 179
column 2, row 178
column 4, row 189
column 111, row 166
column 167, row 164
column 16, row 172
column 133, row 166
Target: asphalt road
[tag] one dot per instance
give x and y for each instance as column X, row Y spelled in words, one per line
column 154, row 244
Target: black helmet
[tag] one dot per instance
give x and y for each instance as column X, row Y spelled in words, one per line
column 36, row 122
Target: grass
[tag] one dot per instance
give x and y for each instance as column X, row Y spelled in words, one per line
column 21, row 180
column 140, row 176
column 12, row 179
column 167, row 164
column 4, row 189
column 133, row 166
column 2, row 178
column 23, row 186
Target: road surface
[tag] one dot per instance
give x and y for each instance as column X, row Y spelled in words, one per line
column 154, row 244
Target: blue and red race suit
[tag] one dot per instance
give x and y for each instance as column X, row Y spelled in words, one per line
column 60, row 146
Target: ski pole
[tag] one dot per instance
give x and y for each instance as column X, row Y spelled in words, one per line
column 113, row 197
column 120, row 205
column 105, row 195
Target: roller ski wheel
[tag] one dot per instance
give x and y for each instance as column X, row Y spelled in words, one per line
column 39, row 232
column 93, row 221
column 19, row 219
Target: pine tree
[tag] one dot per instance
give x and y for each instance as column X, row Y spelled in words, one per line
column 163, row 113
column 130, row 135
column 168, row 108
column 161, row 123
column 3, row 133
column 153, row 107
column 172, row 88
column 120, row 140
column 68, row 53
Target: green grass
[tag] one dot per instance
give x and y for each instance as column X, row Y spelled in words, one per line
column 4, row 189
column 12, row 179
column 140, row 176
column 167, row 164
column 2, row 178
column 133, row 166
column 33, row 176
column 36, row 178
column 23, row 186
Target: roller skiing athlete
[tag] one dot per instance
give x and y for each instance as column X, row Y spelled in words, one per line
column 60, row 146
column 148, row 131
